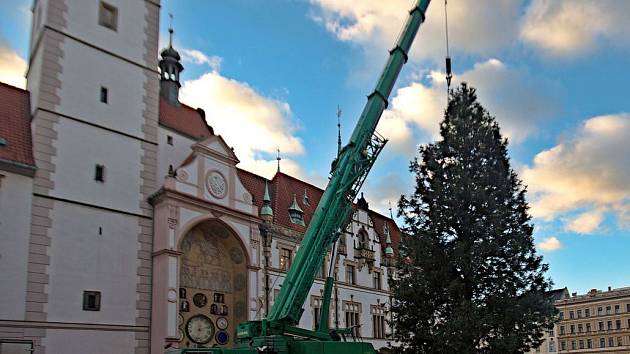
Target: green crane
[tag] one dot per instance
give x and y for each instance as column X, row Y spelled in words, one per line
column 278, row 333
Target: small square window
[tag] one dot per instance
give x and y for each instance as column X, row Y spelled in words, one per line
column 91, row 301
column 108, row 16
column 99, row 173
column 169, row 140
column 104, row 94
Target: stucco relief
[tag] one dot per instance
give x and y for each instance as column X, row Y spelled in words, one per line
column 216, row 184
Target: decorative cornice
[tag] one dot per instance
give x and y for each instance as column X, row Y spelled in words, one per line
column 167, row 193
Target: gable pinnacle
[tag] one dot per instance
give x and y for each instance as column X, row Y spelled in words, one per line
column 266, row 209
column 338, row 131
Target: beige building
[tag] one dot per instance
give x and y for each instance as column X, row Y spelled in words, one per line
column 596, row 322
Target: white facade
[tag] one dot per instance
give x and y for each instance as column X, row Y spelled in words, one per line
column 16, row 191
column 92, row 266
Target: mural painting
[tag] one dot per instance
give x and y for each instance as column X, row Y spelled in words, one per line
column 213, row 286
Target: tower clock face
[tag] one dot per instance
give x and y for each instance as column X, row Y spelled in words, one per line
column 200, row 329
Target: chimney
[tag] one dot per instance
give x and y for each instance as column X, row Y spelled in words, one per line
column 609, row 288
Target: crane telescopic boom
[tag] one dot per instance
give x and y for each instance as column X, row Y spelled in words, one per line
column 348, row 173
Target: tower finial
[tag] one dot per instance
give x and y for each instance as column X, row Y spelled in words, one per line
column 170, row 30
column 391, row 215
column 338, row 131
column 278, row 157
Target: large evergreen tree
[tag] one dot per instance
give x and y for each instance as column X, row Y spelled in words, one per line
column 470, row 280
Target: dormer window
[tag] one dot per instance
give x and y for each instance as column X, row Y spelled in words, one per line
column 295, row 213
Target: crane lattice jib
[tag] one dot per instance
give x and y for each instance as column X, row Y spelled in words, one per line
column 350, row 170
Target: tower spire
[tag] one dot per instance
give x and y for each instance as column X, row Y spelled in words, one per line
column 170, row 69
column 338, row 131
column 278, row 157
column 170, row 31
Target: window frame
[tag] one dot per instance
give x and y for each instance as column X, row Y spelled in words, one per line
column 99, row 173
column 105, row 9
column 87, row 294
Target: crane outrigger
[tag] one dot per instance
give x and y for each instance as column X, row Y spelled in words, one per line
column 278, row 333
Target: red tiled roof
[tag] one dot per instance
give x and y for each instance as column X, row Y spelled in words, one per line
column 15, row 126
column 184, row 119
column 282, row 188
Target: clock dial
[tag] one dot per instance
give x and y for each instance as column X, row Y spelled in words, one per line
column 200, row 329
column 222, row 337
column 222, row 323
column 200, row 300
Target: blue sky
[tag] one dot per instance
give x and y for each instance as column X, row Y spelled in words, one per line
column 554, row 73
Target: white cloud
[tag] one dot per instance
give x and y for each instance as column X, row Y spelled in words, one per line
column 550, row 244
column 376, row 23
column 254, row 124
column 380, row 191
column 588, row 170
column 518, row 101
column 587, row 222
column 197, row 57
column 565, row 28
column 12, row 67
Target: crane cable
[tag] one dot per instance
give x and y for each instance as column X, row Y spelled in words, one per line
column 449, row 75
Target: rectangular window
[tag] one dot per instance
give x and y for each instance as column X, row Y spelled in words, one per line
column 601, row 326
column 618, row 324
column 627, row 307
column 581, row 344
column 169, row 140
column 350, row 274
column 571, row 315
column 550, row 332
column 588, row 327
column 608, row 310
column 572, row 329
column 589, row 343
column 619, row 341
column 317, row 308
column 587, row 312
column 552, row 346
column 376, row 277
column 561, row 330
column 561, row 315
column 563, row 345
column 104, row 94
column 579, row 313
column 91, row 301
column 611, row 342
column 602, row 343
column 573, row 345
column 352, row 311
column 617, row 309
column 609, row 323
column 285, row 259
column 108, row 16
column 99, row 173
column 580, row 328
column 600, row 311
column 378, row 325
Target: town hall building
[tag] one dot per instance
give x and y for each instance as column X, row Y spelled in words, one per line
column 124, row 217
